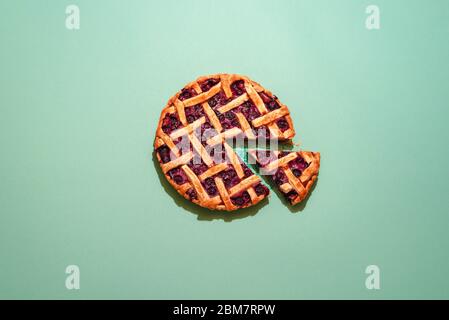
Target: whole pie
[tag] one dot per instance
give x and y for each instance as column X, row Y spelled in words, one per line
column 193, row 132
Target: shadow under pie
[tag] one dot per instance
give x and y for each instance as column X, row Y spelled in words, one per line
column 204, row 214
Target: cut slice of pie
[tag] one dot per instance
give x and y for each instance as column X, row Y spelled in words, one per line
column 196, row 123
column 293, row 172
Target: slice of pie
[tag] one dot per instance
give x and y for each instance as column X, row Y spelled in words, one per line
column 293, row 172
column 191, row 139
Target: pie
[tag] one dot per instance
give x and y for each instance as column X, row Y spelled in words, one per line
column 194, row 127
column 293, row 172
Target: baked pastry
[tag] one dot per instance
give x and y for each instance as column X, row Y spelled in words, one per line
column 191, row 138
column 293, row 172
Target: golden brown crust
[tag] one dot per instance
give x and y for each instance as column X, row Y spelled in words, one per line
column 267, row 118
column 302, row 184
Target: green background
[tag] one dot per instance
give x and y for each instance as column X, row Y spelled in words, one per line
column 78, row 184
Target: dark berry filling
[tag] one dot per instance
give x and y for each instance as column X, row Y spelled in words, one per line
column 228, row 120
column 206, row 125
column 247, row 171
column 191, row 193
column 265, row 98
column 197, row 165
column 263, row 132
column 290, row 196
column 238, row 88
column 170, row 123
column 297, row 172
column 265, row 157
column 279, row 177
column 249, row 110
column 298, row 166
column 183, row 144
column 178, row 175
column 209, row 83
column 282, row 124
column 218, row 100
column 242, row 199
column 264, row 154
column 261, row 190
column 187, row 93
column 229, row 177
column 230, row 115
column 283, row 153
column 218, row 154
column 270, row 102
column 194, row 113
column 211, row 188
column 206, row 132
column 164, row 153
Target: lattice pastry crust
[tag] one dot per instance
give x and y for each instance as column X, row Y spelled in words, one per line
column 294, row 172
column 225, row 106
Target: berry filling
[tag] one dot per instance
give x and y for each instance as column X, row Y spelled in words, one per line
column 211, row 188
column 209, row 83
column 290, row 196
column 242, row 199
column 297, row 172
column 178, row 175
column 187, row 93
column 194, row 113
column 265, row 157
column 298, row 166
column 183, row 144
column 218, row 154
column 170, row 123
column 197, row 165
column 263, row 132
column 249, row 110
column 283, row 153
column 206, row 132
column 229, row 177
column 282, row 124
column 261, row 190
column 218, row 100
column 238, row 88
column 270, row 102
column 205, row 126
column 164, row 153
column 191, row 193
column 247, row 171
column 279, row 177
column 229, row 120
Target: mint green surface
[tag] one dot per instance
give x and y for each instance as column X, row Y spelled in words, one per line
column 78, row 185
